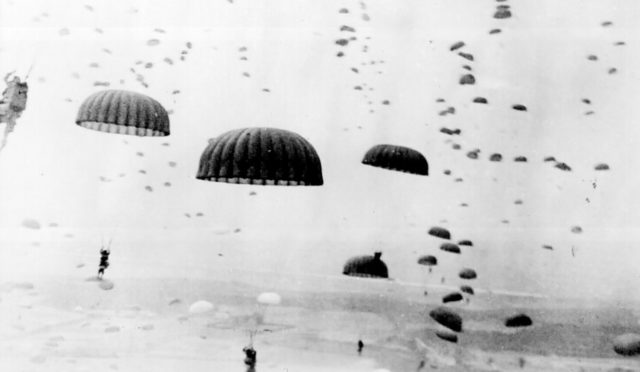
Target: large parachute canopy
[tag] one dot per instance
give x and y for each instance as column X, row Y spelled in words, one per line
column 124, row 112
column 261, row 156
column 366, row 266
column 520, row 320
column 440, row 232
column 452, row 297
column 398, row 158
column 447, row 318
column 467, row 274
column 450, row 247
column 428, row 260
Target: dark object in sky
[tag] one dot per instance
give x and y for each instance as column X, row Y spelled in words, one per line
column 563, row 166
column 467, row 56
column 466, row 242
column 519, row 107
column 520, row 159
column 549, row 158
column 602, row 166
column 251, row 356
column 456, row 45
column 447, row 318
column 342, row 42
column 467, row 289
column 261, row 156
column 450, row 247
column 447, row 336
column 495, row 157
column 627, row 344
column 495, row 31
column 123, row 112
column 467, row 79
column 502, row 14
column 473, row 154
column 428, row 260
column 360, row 346
column 520, row 320
column 440, row 232
column 366, row 266
column 467, row 274
column 452, row 297
column 398, row 158
column 480, row 100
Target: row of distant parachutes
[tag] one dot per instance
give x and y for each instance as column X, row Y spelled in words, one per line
column 258, row 156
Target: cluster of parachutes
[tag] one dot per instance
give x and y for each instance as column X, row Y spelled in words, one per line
column 257, row 156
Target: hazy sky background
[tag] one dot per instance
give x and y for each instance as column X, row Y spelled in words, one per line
column 51, row 168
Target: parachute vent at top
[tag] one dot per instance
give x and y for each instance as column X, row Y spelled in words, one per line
column 398, row 158
column 261, row 156
column 366, row 266
column 124, row 112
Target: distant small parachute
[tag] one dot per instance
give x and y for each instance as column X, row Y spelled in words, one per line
column 519, row 107
column 269, row 298
column 467, row 274
column 576, row 229
column 447, row 336
column 520, row 159
column 601, row 167
column 464, row 55
column 627, row 344
column 428, row 260
column 456, row 45
column 495, row 157
column 452, row 297
column 398, row 158
column 261, row 156
column 520, row 320
column 123, row 112
column 440, row 232
column 30, row 223
column 480, row 100
column 473, row 154
column 450, row 247
column 549, row 158
column 447, row 318
column 200, row 307
column 467, row 79
column 467, row 289
column 466, row 242
column 366, row 266
column 563, row 166
column 502, row 14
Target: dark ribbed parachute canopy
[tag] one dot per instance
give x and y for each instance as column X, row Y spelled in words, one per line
column 366, row 266
column 452, row 297
column 450, row 247
column 398, row 158
column 428, row 260
column 261, row 156
column 123, row 112
column 467, row 289
column 447, row 336
column 467, row 274
column 447, row 318
column 440, row 232
column 519, row 320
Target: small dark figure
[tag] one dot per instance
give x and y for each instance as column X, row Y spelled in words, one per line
column 250, row 356
column 421, row 365
column 104, row 261
column 360, row 346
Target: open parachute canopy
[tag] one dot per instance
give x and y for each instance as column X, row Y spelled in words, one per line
column 428, row 260
column 440, row 232
column 398, row 158
column 447, row 336
column 261, row 156
column 450, row 247
column 366, row 266
column 447, row 318
column 467, row 274
column 124, row 112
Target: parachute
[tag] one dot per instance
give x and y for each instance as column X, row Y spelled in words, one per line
column 466, row 242
column 366, row 266
column 495, row 157
column 467, row 289
column 398, row 158
column 440, row 232
column 450, row 247
column 428, row 260
column 627, row 344
column 520, row 320
column 447, row 336
column 200, row 307
column 265, row 300
column 467, row 274
column 467, row 79
column 480, row 100
column 601, row 167
column 123, row 112
column 520, row 159
column 261, row 156
column 452, row 297
column 12, row 104
column 447, row 318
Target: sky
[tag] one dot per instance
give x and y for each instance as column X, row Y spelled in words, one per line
column 51, row 169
